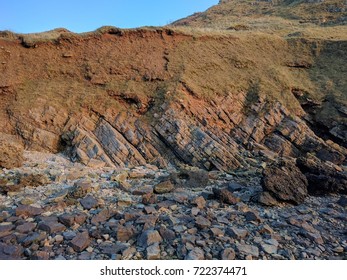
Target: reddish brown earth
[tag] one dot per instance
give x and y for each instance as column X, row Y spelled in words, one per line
column 216, row 100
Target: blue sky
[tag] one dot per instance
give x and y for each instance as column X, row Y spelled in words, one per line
column 27, row 16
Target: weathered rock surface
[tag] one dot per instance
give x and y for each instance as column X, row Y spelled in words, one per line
column 323, row 177
column 285, row 181
column 11, row 151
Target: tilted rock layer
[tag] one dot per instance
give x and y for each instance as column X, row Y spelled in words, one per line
column 217, row 101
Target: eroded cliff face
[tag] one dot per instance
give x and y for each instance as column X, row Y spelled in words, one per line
column 126, row 98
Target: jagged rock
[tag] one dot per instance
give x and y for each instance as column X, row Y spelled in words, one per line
column 89, row 202
column 111, row 249
column 80, row 189
column 69, row 235
column 51, row 227
column 149, row 198
column 164, row 187
column 41, row 255
column 153, row 252
column 6, row 229
column 238, row 233
column 252, row 216
column 225, row 195
column 285, row 181
column 267, row 199
column 26, row 227
column 124, row 234
column 195, row 254
column 228, row 254
column 199, row 201
column 28, row 211
column 11, row 151
column 80, row 242
column 323, row 178
column 148, row 238
column 167, row 234
column 102, row 216
column 202, row 222
column 67, row 219
column 10, row 252
column 248, row 250
column 269, row 248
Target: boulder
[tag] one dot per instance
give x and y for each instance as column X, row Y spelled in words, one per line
column 225, row 195
column 164, row 187
column 284, row 181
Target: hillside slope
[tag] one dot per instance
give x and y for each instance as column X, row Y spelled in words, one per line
column 216, row 100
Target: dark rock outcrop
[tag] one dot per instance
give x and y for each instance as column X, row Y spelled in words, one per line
column 284, row 181
column 323, row 177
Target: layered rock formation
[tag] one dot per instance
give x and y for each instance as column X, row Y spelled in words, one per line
column 169, row 97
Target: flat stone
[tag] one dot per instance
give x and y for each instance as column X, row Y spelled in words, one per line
column 149, row 198
column 269, row 249
column 217, row 232
column 80, row 217
column 28, row 211
column 148, row 238
column 315, row 237
column 111, row 249
column 34, row 237
column 164, row 187
column 150, row 210
column 59, row 196
column 202, row 222
column 248, row 250
column 129, row 253
column 147, row 219
column 195, row 211
column 26, row 227
column 67, row 219
column 167, row 234
column 59, row 238
column 69, row 235
column 102, row 216
column 153, row 252
column 10, row 252
column 120, row 177
column 51, row 227
column 199, row 201
column 196, row 254
column 41, row 255
column 142, row 190
column 237, row 232
column 80, row 242
column 265, row 198
column 124, row 234
column 228, row 254
column 89, row 202
column 6, row 229
column 252, row 216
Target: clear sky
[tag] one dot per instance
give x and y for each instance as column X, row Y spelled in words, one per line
column 27, row 16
